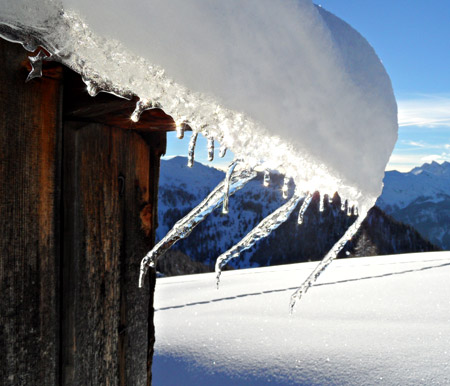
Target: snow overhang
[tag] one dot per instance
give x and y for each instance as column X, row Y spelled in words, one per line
column 283, row 84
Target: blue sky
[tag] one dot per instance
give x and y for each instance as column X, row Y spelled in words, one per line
column 412, row 38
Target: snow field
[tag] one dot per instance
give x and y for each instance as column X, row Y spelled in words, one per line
column 378, row 320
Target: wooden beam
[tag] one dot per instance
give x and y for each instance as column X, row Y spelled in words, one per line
column 109, row 109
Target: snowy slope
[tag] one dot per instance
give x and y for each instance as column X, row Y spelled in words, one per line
column 421, row 198
column 175, row 173
column 368, row 321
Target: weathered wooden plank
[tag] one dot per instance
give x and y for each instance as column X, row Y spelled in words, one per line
column 141, row 176
column 149, row 223
column 30, row 116
column 109, row 177
column 91, row 279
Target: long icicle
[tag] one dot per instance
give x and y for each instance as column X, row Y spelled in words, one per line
column 222, row 151
column 226, row 193
column 191, row 149
column 305, row 204
column 210, row 142
column 263, row 229
column 330, row 256
column 349, row 208
column 321, row 203
column 185, row 226
column 180, row 128
column 266, row 180
column 285, row 187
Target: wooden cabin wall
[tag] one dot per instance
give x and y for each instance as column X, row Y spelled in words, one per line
column 107, row 182
column 78, row 205
column 30, row 135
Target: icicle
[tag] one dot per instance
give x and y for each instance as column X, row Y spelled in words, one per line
column 222, row 151
column 191, row 149
column 355, row 210
column 285, row 187
column 343, row 205
column 349, row 209
column 263, row 229
column 185, row 226
column 141, row 106
column 266, row 178
column 92, row 88
column 330, row 199
column 321, row 203
column 226, row 193
column 303, row 208
column 36, row 65
column 210, row 148
column 331, row 255
column 180, row 127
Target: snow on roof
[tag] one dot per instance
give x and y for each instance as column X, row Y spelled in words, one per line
column 282, row 83
column 285, row 85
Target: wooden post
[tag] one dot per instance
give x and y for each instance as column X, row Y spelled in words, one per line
column 78, row 204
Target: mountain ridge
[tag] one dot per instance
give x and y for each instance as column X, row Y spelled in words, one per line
column 182, row 188
column 420, row 198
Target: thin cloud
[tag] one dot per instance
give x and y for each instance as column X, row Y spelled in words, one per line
column 425, row 111
column 402, row 163
column 426, row 145
column 437, row 157
column 406, row 162
column 416, row 144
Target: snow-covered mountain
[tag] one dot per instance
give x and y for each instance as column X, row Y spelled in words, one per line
column 181, row 188
column 421, row 198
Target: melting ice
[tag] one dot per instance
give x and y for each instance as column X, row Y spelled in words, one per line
column 319, row 107
column 185, row 226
